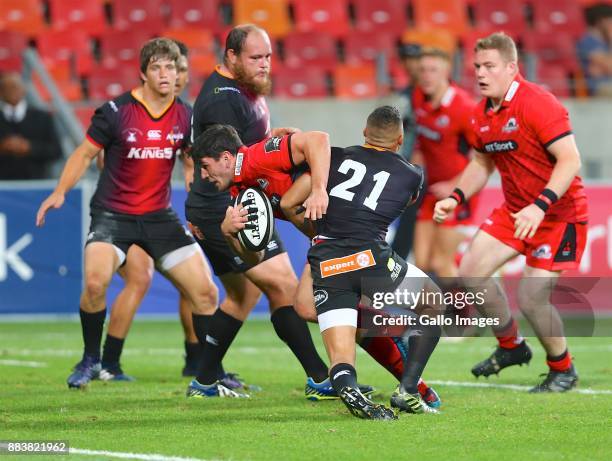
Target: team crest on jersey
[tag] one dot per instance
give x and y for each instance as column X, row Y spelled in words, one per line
column 272, row 145
column 442, row 121
column 510, row 126
column 131, row 135
column 542, row 252
column 263, row 183
column 175, row 135
column 349, row 263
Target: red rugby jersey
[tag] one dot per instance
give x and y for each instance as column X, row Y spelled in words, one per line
column 516, row 137
column 444, row 132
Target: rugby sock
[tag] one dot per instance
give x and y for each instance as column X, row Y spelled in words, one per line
column 421, row 347
column 560, row 362
column 92, row 325
column 222, row 330
column 201, row 324
column 294, row 331
column 508, row 336
column 388, row 352
column 192, row 351
column 343, row 375
column 113, row 347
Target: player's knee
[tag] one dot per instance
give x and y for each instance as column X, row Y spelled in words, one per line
column 205, row 299
column 95, row 287
column 281, row 291
column 139, row 281
column 305, row 309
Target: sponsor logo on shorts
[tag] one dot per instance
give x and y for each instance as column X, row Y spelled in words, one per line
column 237, row 260
column 90, row 236
column 510, row 126
column 500, row 146
column 272, row 145
column 542, row 252
column 238, row 167
column 349, row 263
column 320, row 296
column 272, row 245
column 394, row 268
column 154, row 135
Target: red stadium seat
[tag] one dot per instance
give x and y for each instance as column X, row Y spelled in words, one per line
column 271, row 15
column 202, row 64
column 441, row 14
column 437, row 38
column 563, row 16
column 121, row 48
column 310, row 49
column 22, row 16
column 355, row 82
column 500, row 15
column 12, row 45
column 556, row 49
column 308, row 82
column 196, row 39
column 329, row 17
column 67, row 46
column 382, row 16
column 78, row 14
column 69, row 89
column 84, row 114
column 143, row 14
column 108, row 84
column 555, row 79
column 367, row 46
column 203, row 14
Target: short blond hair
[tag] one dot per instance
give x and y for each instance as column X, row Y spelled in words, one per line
column 431, row 52
column 501, row 42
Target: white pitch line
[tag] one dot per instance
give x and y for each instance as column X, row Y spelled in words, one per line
column 23, row 363
column 513, row 387
column 141, row 456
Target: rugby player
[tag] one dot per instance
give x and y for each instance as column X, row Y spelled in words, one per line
column 523, row 131
column 142, row 131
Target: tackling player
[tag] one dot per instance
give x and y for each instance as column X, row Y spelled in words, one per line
column 141, row 131
column 524, row 132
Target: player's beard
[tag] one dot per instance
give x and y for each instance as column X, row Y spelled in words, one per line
column 249, row 83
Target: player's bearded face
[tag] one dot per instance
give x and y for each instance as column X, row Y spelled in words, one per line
column 254, row 77
column 493, row 73
column 160, row 76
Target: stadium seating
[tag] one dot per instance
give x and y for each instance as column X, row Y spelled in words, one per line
column 66, row 46
column 121, row 48
column 551, row 49
column 143, row 14
column 329, row 17
column 438, row 38
column 310, row 49
column 78, row 14
column 22, row 16
column 441, row 14
column 108, row 84
column 367, row 46
column 12, row 45
column 355, row 81
column 563, row 16
column 307, row 82
column 500, row 15
column 381, row 16
column 202, row 64
column 203, row 14
column 272, row 15
column 197, row 40
column 554, row 79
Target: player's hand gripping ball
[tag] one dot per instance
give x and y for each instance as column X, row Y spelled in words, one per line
column 259, row 228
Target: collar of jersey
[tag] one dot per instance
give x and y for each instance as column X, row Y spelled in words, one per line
column 510, row 94
column 380, row 149
column 220, row 72
column 148, row 109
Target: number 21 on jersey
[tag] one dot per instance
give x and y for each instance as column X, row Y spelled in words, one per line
column 343, row 190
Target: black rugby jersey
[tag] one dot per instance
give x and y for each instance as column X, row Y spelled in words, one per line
column 368, row 189
column 221, row 100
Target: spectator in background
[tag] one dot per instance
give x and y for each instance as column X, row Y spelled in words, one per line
column 409, row 54
column 594, row 49
column 28, row 142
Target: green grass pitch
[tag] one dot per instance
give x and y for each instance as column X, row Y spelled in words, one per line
column 152, row 415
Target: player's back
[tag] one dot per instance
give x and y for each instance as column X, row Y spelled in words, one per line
column 368, row 189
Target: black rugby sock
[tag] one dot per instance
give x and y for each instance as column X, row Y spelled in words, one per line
column 111, row 354
column 192, row 351
column 201, row 324
column 222, row 330
column 343, row 375
column 420, row 349
column 92, row 325
column 294, row 331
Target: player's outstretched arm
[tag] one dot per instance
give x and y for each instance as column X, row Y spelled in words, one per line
column 282, row 131
column 292, row 205
column 74, row 169
column 473, row 179
column 313, row 148
column 234, row 221
column 567, row 166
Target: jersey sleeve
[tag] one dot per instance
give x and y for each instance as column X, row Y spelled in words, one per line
column 273, row 154
column 100, row 131
column 547, row 118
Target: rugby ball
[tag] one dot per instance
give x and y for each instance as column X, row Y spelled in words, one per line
column 260, row 227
